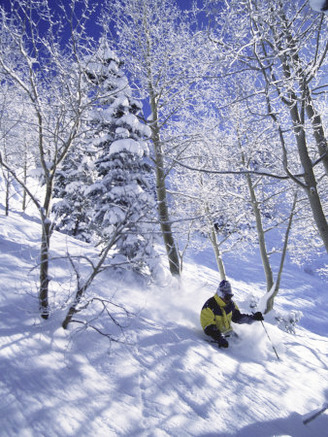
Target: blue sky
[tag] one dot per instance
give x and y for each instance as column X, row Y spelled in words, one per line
column 184, row 4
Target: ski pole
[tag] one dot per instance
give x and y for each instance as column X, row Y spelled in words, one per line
column 316, row 414
column 275, row 350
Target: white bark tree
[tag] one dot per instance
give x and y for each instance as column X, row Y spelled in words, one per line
column 159, row 50
column 44, row 65
column 207, row 204
column 281, row 45
column 237, row 210
column 17, row 140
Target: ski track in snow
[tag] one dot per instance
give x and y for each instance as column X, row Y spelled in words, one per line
column 165, row 380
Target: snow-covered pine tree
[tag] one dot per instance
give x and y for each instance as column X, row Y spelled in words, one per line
column 122, row 195
column 71, row 206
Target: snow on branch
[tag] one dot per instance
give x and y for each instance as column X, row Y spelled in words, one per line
column 319, row 5
column 236, row 172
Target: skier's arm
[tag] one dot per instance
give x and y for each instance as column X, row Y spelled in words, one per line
column 238, row 317
column 215, row 333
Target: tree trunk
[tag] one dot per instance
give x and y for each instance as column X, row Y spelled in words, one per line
column 82, row 288
column 260, row 233
column 217, row 253
column 73, row 308
column 163, row 212
column 24, row 179
column 309, row 177
column 45, row 247
column 6, row 176
column 314, row 117
column 318, row 133
column 165, row 223
column 7, row 181
column 44, row 267
column 299, row 132
column 270, row 301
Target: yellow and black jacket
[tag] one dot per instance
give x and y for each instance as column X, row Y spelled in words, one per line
column 219, row 315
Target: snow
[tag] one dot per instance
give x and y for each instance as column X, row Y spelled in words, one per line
column 318, row 5
column 163, row 379
column 128, row 144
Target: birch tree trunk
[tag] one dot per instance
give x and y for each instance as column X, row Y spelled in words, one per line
column 298, row 104
column 260, row 232
column 309, row 177
column 213, row 239
column 44, row 269
column 270, row 301
column 163, row 211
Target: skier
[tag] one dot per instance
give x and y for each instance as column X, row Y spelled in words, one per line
column 219, row 311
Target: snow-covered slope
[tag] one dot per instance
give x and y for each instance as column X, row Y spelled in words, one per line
column 163, row 378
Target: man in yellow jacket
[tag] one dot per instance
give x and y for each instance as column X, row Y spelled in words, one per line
column 219, row 311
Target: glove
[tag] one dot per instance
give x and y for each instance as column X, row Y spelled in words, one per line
column 258, row 316
column 222, row 342
column 213, row 332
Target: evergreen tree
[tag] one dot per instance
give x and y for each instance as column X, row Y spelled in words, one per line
column 123, row 203
column 71, row 205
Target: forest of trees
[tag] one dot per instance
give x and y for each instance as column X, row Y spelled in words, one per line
column 194, row 127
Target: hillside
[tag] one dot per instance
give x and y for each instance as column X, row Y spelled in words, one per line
column 161, row 378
